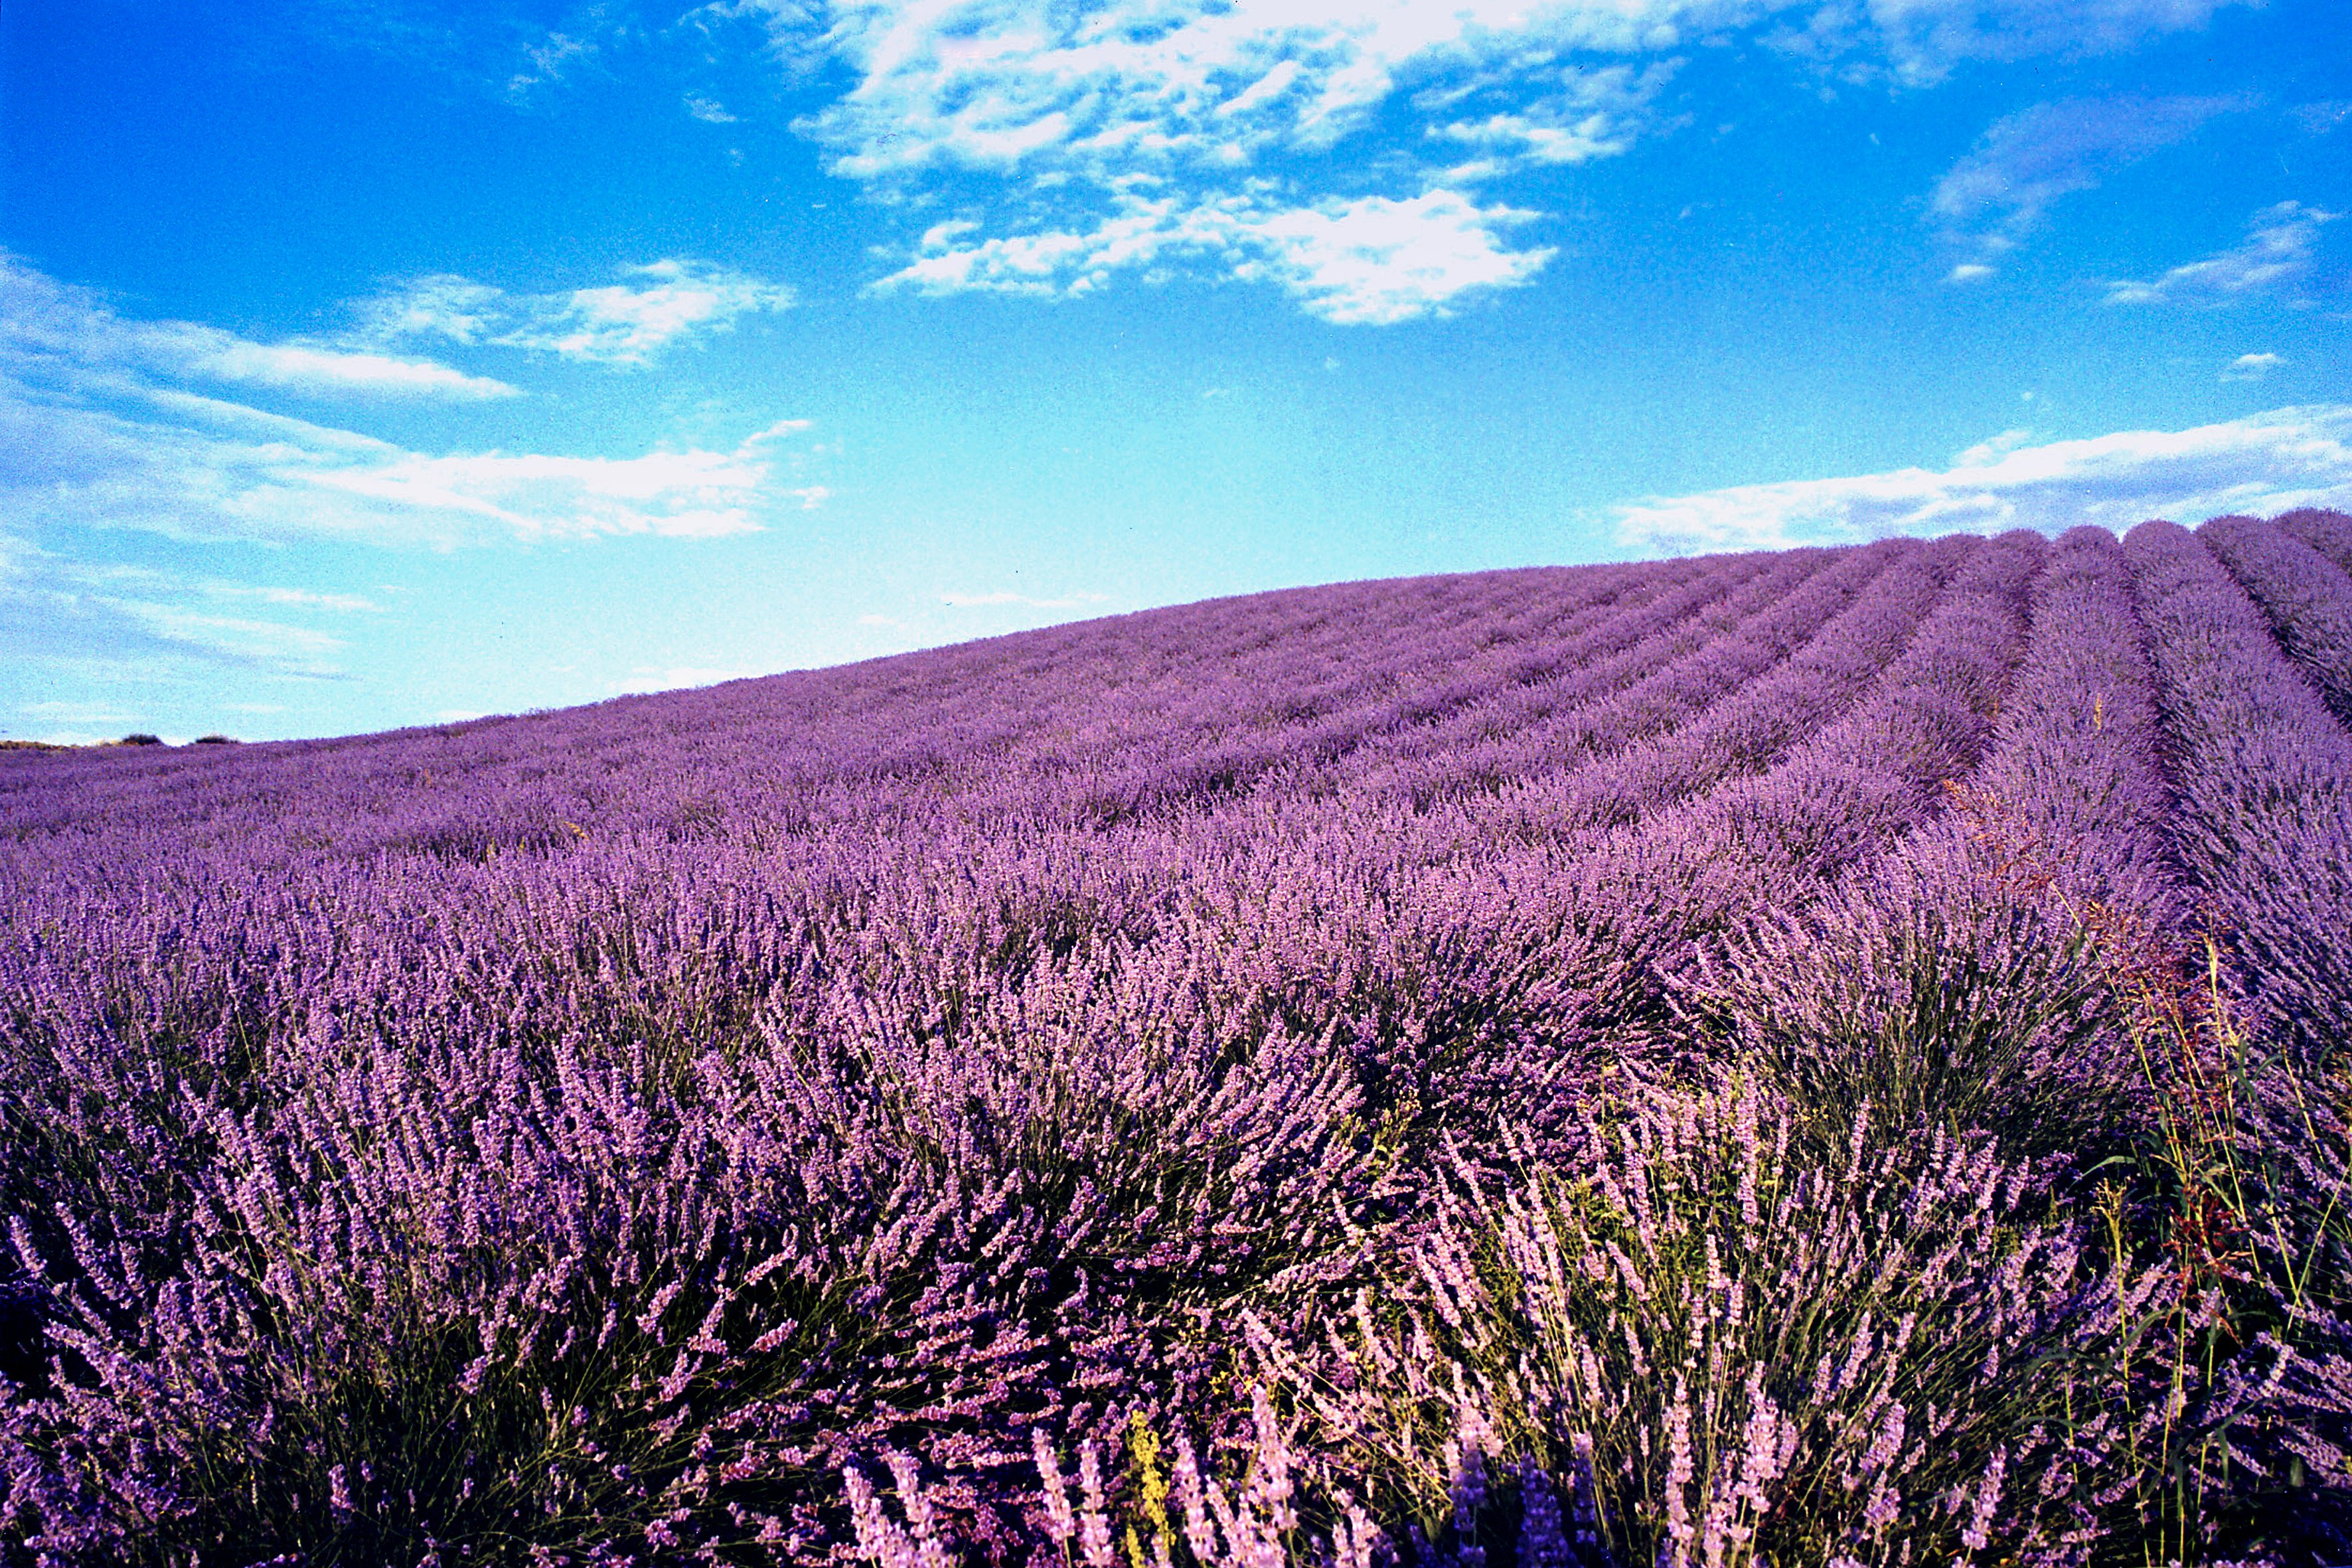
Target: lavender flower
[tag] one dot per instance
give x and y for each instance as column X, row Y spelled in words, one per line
column 629, row 1132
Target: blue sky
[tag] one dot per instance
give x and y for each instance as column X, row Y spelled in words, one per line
column 370, row 365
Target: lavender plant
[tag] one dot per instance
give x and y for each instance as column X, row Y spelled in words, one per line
column 592, row 1135
column 1724, row 1346
column 2264, row 773
column 2308, row 606
column 2329, row 533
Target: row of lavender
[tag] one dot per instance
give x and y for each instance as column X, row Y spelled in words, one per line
column 585, row 1133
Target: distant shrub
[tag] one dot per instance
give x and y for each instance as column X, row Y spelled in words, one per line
column 216, row 740
column 140, row 738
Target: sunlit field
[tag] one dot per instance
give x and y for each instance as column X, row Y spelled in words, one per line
column 1834, row 1057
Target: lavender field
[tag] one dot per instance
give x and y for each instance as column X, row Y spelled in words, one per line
column 1826, row 1057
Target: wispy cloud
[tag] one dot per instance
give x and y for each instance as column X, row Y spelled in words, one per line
column 677, row 676
column 95, row 436
column 219, row 472
column 2275, row 256
column 1118, row 132
column 444, row 306
column 1924, row 39
column 41, row 318
column 1127, row 87
column 297, row 367
column 2267, row 462
column 122, row 577
column 64, row 712
column 1374, row 261
column 2320, row 118
column 671, row 300
column 1596, row 114
column 2251, row 367
column 1196, row 137
column 694, row 494
column 1167, row 84
column 81, row 603
column 283, row 649
column 2002, row 191
column 709, row 110
column 625, row 323
column 547, row 62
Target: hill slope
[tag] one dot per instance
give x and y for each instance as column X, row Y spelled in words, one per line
column 591, row 1131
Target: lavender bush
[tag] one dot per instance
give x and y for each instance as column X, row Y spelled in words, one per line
column 2329, row 533
column 1109, row 1092
column 2265, row 771
column 1724, row 1348
column 2308, row 606
column 1957, row 979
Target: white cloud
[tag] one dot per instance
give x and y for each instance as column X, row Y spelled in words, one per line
column 1597, row 115
column 1993, row 448
column 688, row 494
column 2026, row 162
column 443, row 305
column 2268, row 462
column 1302, row 105
column 1381, row 261
column 41, row 318
column 711, row 112
column 1969, row 272
column 550, row 60
column 2251, row 367
column 54, row 602
column 2275, row 256
column 944, row 235
column 283, row 649
column 292, row 598
column 1165, row 83
column 1202, row 96
column 623, row 324
column 776, row 432
column 1924, row 39
column 234, row 473
column 2320, row 118
column 297, row 367
column 1520, row 140
column 121, row 576
column 62, row 713
column 1372, row 260
column 648, row 678
column 627, row 323
column 91, row 439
